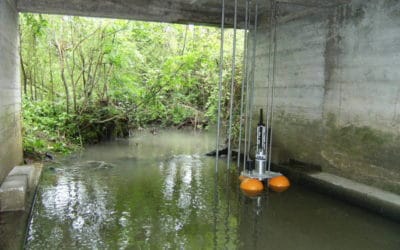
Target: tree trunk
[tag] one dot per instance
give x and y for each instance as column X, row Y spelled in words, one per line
column 51, row 79
column 184, row 41
column 62, row 72
column 31, row 84
column 64, row 83
column 23, row 73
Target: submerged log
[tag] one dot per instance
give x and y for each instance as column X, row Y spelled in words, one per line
column 220, row 152
column 224, row 152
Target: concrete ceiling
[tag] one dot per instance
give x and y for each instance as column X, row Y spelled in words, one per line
column 172, row 11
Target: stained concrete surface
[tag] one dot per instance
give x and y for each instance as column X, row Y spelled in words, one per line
column 337, row 98
column 13, row 224
column 28, row 171
column 10, row 95
column 13, row 193
column 177, row 11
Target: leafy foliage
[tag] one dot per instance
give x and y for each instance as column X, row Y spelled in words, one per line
column 86, row 80
column 45, row 128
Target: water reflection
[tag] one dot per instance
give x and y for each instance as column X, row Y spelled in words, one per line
column 146, row 200
column 163, row 193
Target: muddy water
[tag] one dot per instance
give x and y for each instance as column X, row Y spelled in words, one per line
column 161, row 192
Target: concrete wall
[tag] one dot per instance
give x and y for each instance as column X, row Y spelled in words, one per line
column 10, row 97
column 337, row 97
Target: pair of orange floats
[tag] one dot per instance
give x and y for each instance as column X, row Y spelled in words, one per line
column 253, row 186
column 255, row 171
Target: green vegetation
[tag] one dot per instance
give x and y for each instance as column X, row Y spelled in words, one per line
column 85, row 80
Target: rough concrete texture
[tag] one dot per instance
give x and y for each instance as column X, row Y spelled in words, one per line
column 14, row 222
column 10, row 96
column 278, row 156
column 20, row 181
column 177, row 11
column 337, row 90
column 13, row 192
column 174, row 11
column 29, row 171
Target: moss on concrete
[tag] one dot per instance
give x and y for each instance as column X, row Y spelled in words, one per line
column 360, row 153
column 364, row 143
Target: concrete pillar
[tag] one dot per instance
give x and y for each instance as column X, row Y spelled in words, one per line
column 10, row 94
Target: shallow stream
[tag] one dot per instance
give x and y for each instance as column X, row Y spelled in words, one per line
column 161, row 192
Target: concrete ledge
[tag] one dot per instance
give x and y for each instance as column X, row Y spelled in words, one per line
column 14, row 223
column 13, row 193
column 15, row 188
column 31, row 171
column 28, row 171
column 382, row 202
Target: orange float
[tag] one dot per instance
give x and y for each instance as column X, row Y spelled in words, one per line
column 279, row 183
column 251, row 187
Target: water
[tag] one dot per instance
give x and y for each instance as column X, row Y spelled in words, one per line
column 160, row 192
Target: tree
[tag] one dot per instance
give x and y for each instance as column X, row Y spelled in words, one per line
column 109, row 76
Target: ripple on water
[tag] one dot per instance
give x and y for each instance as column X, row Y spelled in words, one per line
column 155, row 199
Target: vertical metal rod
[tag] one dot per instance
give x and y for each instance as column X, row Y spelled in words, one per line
column 244, row 73
column 246, row 135
column 232, row 88
column 216, row 194
column 221, row 68
column 273, row 78
column 272, row 4
column 251, row 104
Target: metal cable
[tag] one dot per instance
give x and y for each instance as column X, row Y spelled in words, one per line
column 251, row 104
column 273, row 78
column 269, row 75
column 221, row 68
column 246, row 135
column 232, row 87
column 244, row 73
column 216, row 194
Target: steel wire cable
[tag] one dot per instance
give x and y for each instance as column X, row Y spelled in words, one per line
column 221, row 68
column 244, row 73
column 232, row 93
column 246, row 135
column 276, row 9
column 251, row 98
